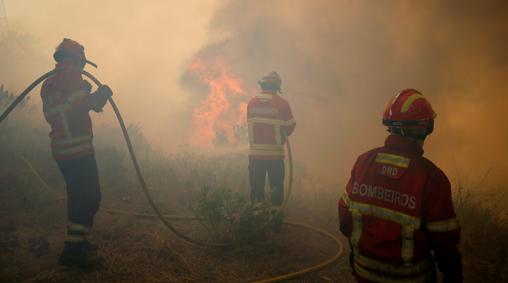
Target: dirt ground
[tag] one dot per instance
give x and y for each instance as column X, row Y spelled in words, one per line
column 143, row 250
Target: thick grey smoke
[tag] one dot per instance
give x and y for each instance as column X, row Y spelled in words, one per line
column 341, row 61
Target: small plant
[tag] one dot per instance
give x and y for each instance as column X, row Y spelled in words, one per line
column 231, row 217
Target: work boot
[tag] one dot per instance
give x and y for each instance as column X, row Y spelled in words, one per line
column 77, row 255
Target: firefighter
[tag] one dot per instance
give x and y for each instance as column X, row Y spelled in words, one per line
column 67, row 99
column 270, row 122
column 397, row 210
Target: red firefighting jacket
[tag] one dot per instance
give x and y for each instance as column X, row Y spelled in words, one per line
column 270, row 122
column 396, row 209
column 66, row 102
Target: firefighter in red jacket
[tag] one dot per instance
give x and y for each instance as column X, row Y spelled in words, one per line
column 270, row 122
column 397, row 211
column 66, row 101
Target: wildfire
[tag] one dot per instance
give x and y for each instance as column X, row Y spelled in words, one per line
column 220, row 118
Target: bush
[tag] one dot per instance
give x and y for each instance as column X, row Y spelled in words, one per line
column 231, row 217
column 484, row 232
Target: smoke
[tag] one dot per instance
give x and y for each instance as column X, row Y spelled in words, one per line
column 341, row 60
column 141, row 48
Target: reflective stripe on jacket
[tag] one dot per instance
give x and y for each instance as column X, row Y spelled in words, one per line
column 396, row 209
column 66, row 102
column 270, row 122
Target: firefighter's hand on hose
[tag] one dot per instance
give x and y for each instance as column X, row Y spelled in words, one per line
column 100, row 97
column 105, row 91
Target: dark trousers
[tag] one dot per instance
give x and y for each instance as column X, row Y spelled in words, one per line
column 83, row 190
column 258, row 169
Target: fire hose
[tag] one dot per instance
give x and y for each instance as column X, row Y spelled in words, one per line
column 165, row 218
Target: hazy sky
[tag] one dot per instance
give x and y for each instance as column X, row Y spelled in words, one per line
column 141, row 47
column 340, row 61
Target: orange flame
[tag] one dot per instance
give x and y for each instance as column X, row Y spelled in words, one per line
column 220, row 118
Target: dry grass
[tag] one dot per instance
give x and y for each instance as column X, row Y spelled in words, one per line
column 135, row 250
column 140, row 250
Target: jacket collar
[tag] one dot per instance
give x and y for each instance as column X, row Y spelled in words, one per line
column 404, row 144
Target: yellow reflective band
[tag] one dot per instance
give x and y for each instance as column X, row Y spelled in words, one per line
column 409, row 101
column 251, row 132
column 356, row 233
column 74, row 239
column 392, row 159
column 345, row 198
column 387, row 214
column 289, row 122
column 408, row 225
column 75, row 140
column 407, row 245
column 57, row 110
column 74, row 149
column 443, row 226
column 266, row 152
column 278, row 137
column 65, row 125
column 414, row 269
column 376, row 277
column 273, row 147
column 269, row 121
column 77, row 95
column 78, row 228
column 271, row 111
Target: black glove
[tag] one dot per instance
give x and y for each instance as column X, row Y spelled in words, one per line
column 105, row 91
column 450, row 265
column 100, row 97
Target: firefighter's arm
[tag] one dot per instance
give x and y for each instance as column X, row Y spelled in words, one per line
column 99, row 98
column 442, row 226
column 288, row 120
column 78, row 90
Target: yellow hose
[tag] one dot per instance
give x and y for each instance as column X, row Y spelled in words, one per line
column 164, row 218
column 140, row 176
column 284, row 277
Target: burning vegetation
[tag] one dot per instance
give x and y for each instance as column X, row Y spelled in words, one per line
column 219, row 119
column 342, row 59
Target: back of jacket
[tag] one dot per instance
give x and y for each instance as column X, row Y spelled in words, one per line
column 66, row 106
column 270, row 122
column 396, row 209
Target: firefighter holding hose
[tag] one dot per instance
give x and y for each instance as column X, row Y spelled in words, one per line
column 67, row 100
column 397, row 211
column 270, row 123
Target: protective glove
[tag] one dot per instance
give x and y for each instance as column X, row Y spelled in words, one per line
column 450, row 264
column 100, row 97
column 105, row 91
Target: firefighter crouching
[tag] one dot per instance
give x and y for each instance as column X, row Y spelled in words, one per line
column 66, row 101
column 397, row 209
column 270, row 122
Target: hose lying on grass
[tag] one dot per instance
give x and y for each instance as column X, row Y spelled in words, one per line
column 165, row 218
